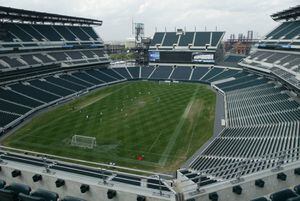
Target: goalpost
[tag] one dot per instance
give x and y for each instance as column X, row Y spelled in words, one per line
column 83, row 141
column 164, row 82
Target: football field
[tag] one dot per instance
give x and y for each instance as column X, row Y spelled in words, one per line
column 158, row 123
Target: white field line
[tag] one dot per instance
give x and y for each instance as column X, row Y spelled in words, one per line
column 155, row 141
column 173, row 138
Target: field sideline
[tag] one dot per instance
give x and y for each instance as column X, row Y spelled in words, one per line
column 164, row 123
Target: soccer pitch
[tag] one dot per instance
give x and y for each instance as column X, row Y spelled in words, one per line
column 163, row 123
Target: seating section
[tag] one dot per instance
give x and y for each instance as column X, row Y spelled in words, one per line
column 262, row 120
column 35, row 93
column 181, row 73
column 161, row 73
column 186, row 39
column 134, row 72
column 202, row 38
column 18, row 99
column 231, row 60
column 287, row 30
column 123, row 72
column 186, row 73
column 285, row 65
column 198, row 73
column 212, row 73
column 157, row 38
column 170, row 39
column 282, row 195
column 71, row 57
column 147, row 71
column 200, row 180
column 195, row 40
column 33, row 33
column 48, row 45
column 7, row 117
column 23, row 192
column 278, row 53
column 263, row 59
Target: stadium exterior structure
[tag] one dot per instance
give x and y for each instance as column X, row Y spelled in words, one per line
column 256, row 154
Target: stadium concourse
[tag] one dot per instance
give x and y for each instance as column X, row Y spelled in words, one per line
column 254, row 157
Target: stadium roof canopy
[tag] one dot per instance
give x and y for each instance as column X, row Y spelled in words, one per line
column 20, row 15
column 291, row 13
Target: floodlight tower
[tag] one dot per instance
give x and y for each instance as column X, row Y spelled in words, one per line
column 138, row 31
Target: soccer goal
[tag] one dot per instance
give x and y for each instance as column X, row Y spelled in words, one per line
column 164, row 82
column 83, row 141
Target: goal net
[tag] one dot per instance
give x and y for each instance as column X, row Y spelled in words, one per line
column 164, row 82
column 83, row 141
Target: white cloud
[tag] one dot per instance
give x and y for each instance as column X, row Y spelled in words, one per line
column 231, row 16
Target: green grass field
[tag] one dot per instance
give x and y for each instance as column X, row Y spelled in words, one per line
column 165, row 123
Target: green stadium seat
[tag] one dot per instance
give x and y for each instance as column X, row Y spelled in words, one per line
column 18, row 188
column 46, row 195
column 283, row 195
column 2, row 183
column 8, row 195
column 260, row 199
column 69, row 198
column 294, row 199
column 23, row 197
column 297, row 189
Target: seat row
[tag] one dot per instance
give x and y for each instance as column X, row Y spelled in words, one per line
column 71, row 57
column 23, row 192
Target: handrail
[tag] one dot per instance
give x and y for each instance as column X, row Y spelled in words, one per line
column 87, row 163
column 241, row 167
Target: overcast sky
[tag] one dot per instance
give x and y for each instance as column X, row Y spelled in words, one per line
column 232, row 16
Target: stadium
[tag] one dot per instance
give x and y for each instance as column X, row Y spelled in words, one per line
column 188, row 125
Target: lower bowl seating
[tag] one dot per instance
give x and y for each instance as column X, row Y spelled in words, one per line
column 283, row 195
column 2, row 183
column 41, row 194
column 23, row 197
column 260, row 199
column 69, row 198
column 11, row 192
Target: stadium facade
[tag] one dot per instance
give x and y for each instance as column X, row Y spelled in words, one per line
column 48, row 59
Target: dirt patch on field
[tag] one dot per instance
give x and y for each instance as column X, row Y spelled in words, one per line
column 173, row 165
column 141, row 103
column 195, row 110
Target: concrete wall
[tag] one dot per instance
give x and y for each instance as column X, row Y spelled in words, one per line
column 250, row 191
column 97, row 192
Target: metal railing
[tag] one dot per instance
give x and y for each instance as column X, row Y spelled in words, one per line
column 243, row 167
column 159, row 184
